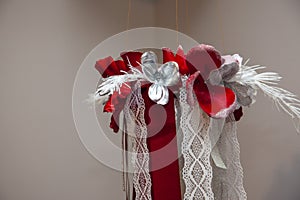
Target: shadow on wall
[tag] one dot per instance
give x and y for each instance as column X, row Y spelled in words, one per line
column 286, row 183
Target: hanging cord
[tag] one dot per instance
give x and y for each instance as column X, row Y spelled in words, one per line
column 126, row 185
column 128, row 15
column 123, row 156
column 177, row 24
column 221, row 24
column 187, row 22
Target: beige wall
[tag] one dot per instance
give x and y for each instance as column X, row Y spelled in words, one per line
column 42, row 44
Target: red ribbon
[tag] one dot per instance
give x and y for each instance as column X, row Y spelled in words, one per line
column 162, row 145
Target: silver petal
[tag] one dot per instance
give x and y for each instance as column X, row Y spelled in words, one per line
column 245, row 94
column 215, row 77
column 155, row 92
column 150, row 71
column 169, row 74
column 238, row 58
column 149, row 57
column 149, row 65
column 229, row 70
column 159, row 94
column 165, row 96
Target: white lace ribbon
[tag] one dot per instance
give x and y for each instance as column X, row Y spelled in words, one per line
column 134, row 110
column 205, row 138
column 196, row 148
column 228, row 182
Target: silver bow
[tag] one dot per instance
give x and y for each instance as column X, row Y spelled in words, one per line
column 161, row 76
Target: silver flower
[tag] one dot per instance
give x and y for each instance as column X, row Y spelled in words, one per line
column 161, row 76
column 229, row 74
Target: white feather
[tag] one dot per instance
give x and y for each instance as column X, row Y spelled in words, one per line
column 267, row 82
column 114, row 83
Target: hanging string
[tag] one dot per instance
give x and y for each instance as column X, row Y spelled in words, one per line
column 177, row 24
column 126, row 184
column 187, row 22
column 124, row 139
column 128, row 15
column 125, row 176
column 221, row 24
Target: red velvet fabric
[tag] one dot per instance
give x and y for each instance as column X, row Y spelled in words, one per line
column 203, row 58
column 238, row 114
column 212, row 99
column 108, row 67
column 168, row 55
column 162, row 145
column 115, row 105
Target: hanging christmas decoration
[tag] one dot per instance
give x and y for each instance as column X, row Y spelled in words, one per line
column 202, row 94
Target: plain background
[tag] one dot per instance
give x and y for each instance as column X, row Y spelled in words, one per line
column 42, row 44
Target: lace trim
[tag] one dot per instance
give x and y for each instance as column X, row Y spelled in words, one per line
column 135, row 109
column 197, row 172
column 228, row 183
column 196, row 149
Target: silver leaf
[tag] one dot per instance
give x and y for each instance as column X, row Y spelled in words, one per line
column 169, row 74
